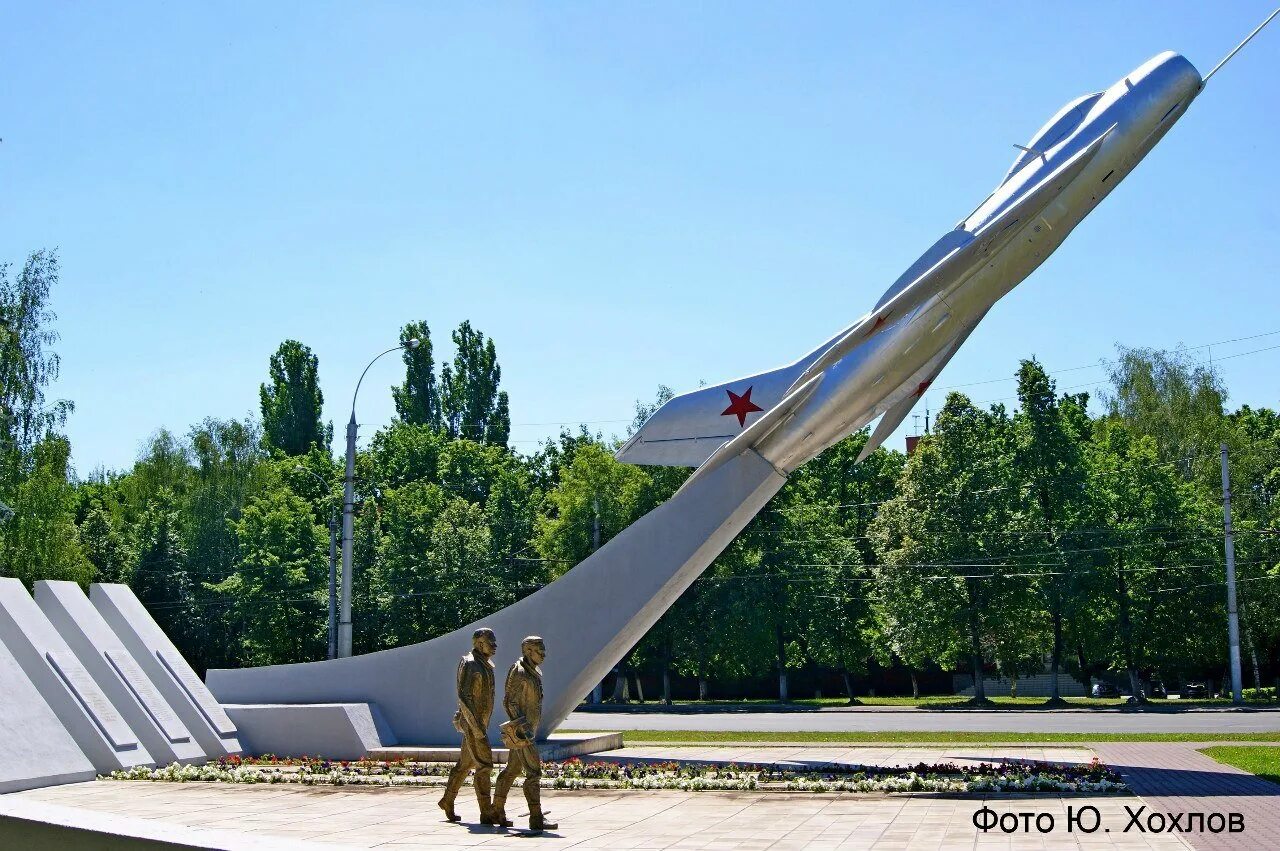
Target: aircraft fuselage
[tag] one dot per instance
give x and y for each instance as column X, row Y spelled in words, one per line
column 880, row 365
column 895, row 364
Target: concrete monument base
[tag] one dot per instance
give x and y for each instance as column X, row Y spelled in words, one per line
column 331, row 730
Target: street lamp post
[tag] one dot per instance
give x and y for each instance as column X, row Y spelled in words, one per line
column 333, row 566
column 348, row 508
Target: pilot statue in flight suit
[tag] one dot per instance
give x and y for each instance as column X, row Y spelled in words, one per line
column 475, row 706
column 523, row 702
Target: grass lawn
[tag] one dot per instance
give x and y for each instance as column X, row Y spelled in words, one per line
column 1262, row 761
column 700, row 737
column 947, row 701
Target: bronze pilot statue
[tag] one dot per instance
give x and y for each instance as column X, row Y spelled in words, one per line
column 522, row 700
column 475, row 706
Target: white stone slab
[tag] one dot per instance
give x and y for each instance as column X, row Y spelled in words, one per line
column 195, row 690
column 117, row 674
column 172, row 677
column 35, row 749
column 87, row 714
column 332, row 730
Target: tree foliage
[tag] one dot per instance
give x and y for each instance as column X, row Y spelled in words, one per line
column 292, row 404
column 418, row 398
column 1007, row 541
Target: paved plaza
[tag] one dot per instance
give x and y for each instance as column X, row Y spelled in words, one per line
column 1166, row 778
column 408, row 818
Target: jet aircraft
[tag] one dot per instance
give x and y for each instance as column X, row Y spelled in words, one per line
column 881, row 365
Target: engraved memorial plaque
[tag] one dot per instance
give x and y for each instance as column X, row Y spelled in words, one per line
column 95, row 703
column 145, row 691
column 200, row 696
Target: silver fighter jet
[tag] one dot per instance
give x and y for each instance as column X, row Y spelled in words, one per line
column 882, row 364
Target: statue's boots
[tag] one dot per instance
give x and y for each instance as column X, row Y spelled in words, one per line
column 537, row 818
column 483, row 796
column 499, row 812
column 506, row 779
column 457, row 776
column 538, row 822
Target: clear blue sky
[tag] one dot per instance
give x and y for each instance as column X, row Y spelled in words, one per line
column 621, row 195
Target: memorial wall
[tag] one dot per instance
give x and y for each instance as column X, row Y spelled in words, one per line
column 91, row 685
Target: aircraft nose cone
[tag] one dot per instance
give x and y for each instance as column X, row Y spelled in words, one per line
column 1170, row 73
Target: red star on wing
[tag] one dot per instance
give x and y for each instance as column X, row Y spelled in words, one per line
column 740, row 406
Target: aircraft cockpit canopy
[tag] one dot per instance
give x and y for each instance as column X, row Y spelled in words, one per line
column 1055, row 130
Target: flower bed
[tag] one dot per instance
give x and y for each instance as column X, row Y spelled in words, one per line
column 1002, row 778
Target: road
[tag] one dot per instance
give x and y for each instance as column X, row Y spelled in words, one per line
column 871, row 720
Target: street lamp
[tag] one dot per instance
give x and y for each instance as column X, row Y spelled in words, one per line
column 333, row 565
column 348, row 507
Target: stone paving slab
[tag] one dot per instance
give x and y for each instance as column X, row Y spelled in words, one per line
column 1177, row 778
column 407, row 818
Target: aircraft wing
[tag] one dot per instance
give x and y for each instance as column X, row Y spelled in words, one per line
column 905, row 397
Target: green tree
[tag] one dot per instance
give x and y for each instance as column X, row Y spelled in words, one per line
column 597, row 497
column 410, row 594
column 160, row 577
column 292, row 402
column 40, row 539
column 471, row 404
column 418, row 398
column 228, row 469
column 275, row 591
column 944, row 572
column 163, row 467
column 1149, row 536
column 460, row 542
column 1254, row 438
column 104, row 546
column 845, row 632
column 1049, row 435
column 1175, row 401
column 28, row 363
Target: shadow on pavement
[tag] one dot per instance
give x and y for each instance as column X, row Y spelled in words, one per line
column 1147, row 780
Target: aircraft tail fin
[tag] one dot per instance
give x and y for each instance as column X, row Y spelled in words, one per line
column 690, row 427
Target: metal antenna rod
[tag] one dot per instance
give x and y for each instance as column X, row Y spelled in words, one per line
column 1247, row 39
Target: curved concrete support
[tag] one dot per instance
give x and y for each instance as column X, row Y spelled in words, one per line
column 590, row 617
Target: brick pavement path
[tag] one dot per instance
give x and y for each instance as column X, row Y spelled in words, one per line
column 1177, row 778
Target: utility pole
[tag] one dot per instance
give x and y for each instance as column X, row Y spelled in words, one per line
column 595, row 523
column 597, row 693
column 333, row 584
column 1233, row 614
column 349, row 507
column 348, row 533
